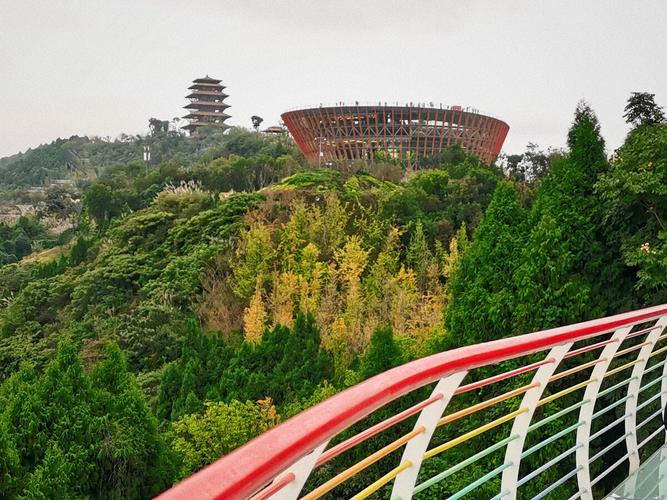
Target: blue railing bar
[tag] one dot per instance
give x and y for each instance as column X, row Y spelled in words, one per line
column 577, row 494
column 652, row 383
column 614, row 387
column 446, row 473
column 551, row 439
column 480, row 481
column 609, row 469
column 649, row 401
column 559, row 414
column 555, row 485
column 612, row 406
column 653, row 434
column 649, row 418
column 608, row 447
column 500, row 495
column 653, row 367
column 609, row 426
column 547, row 465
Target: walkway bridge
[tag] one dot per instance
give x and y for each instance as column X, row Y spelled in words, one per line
column 570, row 412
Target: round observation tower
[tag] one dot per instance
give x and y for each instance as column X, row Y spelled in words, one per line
column 356, row 132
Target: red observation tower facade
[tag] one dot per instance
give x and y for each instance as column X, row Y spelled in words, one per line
column 355, row 132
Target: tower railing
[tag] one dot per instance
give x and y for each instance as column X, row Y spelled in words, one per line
column 566, row 412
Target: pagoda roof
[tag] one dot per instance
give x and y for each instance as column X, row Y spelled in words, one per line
column 196, row 114
column 198, row 93
column 207, row 104
column 205, row 86
column 206, row 79
column 194, row 125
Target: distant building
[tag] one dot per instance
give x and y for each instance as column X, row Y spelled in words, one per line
column 207, row 104
column 274, row 129
column 410, row 132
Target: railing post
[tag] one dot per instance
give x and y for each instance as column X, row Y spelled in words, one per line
column 521, row 423
column 582, row 454
column 416, row 447
column 301, row 470
column 633, row 389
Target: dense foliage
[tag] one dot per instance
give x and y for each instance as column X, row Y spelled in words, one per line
column 227, row 286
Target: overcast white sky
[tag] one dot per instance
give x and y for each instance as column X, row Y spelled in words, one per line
column 104, row 67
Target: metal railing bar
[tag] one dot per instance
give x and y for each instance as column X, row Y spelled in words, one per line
column 501, row 494
column 609, row 426
column 550, row 439
column 652, row 383
column 611, row 406
column 649, row 418
column 649, row 401
column 274, row 487
column 462, row 465
column 591, row 347
column 565, row 392
column 553, row 417
column 485, row 404
column 651, row 436
column 375, row 429
column 659, row 351
column 608, row 470
column 640, row 332
column 616, row 386
column 655, row 366
column 576, row 369
column 547, row 465
column 502, row 376
column 480, row 481
column 361, row 465
column 475, row 432
column 372, row 488
column 607, row 448
column 555, row 485
column 577, row 494
column 623, row 367
column 630, row 349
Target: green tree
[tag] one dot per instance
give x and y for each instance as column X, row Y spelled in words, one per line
column 101, row 203
column 641, row 109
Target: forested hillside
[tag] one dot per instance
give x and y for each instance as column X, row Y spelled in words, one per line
column 205, row 298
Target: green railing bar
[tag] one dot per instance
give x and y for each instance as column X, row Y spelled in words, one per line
column 652, row 383
column 614, row 387
column 653, row 367
column 480, row 481
column 612, row 406
column 547, row 465
column 604, row 450
column 550, row 440
column 565, row 411
column 556, row 484
column 649, row 401
column 445, row 474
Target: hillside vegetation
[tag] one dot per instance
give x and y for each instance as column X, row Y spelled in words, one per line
column 206, row 298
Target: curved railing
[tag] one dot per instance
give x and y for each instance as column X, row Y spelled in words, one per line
column 602, row 385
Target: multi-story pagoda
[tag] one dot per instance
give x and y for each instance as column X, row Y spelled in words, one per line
column 207, row 104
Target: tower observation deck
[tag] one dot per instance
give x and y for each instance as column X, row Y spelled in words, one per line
column 207, row 104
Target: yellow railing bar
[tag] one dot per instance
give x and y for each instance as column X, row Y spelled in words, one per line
column 630, row 349
column 565, row 392
column 623, row 367
column 576, row 369
column 485, row 404
column 662, row 349
column 359, row 466
column 475, row 432
column 369, row 490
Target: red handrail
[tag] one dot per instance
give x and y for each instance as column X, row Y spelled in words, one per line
column 250, row 467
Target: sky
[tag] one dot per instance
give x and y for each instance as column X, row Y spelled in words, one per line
column 100, row 67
